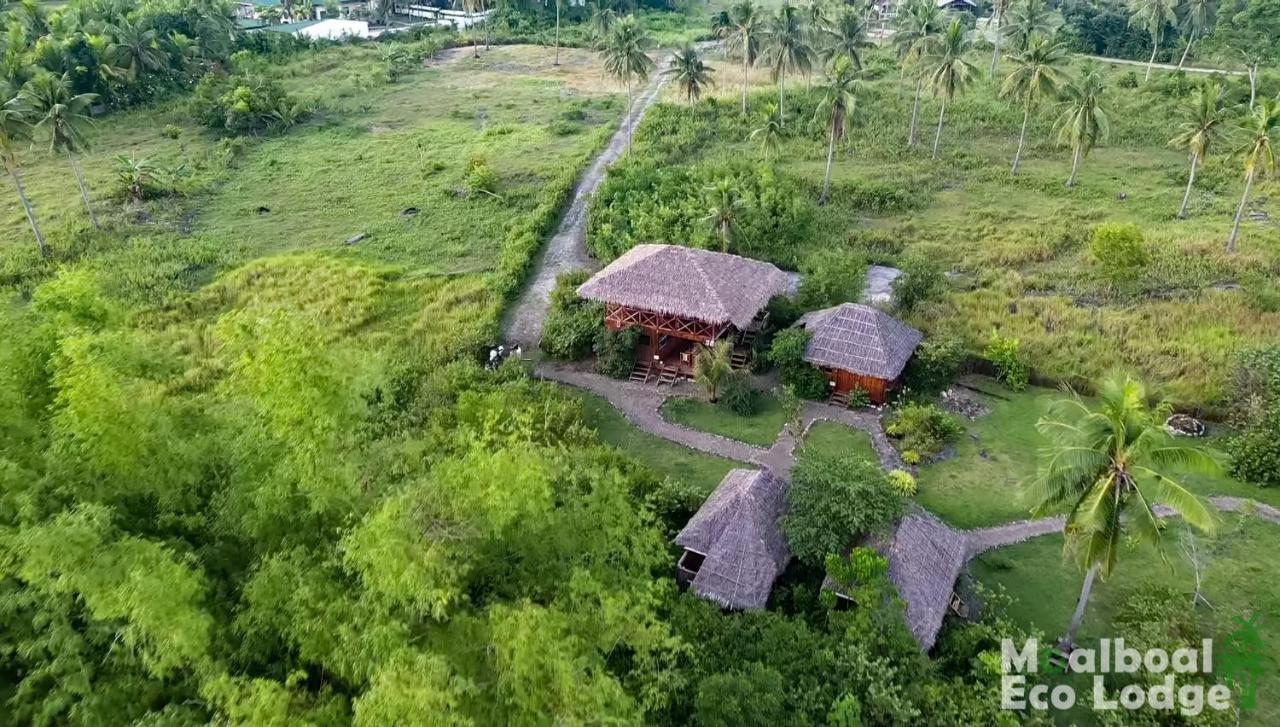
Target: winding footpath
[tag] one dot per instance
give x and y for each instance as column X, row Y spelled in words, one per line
column 567, row 250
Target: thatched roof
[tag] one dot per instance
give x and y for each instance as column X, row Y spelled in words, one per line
column 737, row 530
column 708, row 286
column 925, row 558
column 860, row 339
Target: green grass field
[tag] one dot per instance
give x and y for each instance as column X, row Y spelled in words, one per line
column 830, row 438
column 760, row 429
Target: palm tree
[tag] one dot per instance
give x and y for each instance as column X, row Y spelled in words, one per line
column 1037, row 74
column 835, row 110
column 1196, row 16
column 137, row 176
column 690, row 73
column 723, row 213
column 135, row 49
column 712, row 365
column 625, row 59
column 1259, row 154
column 846, row 37
column 556, row 62
column 787, row 48
column 63, row 116
column 919, row 25
column 602, row 19
column 746, row 26
column 1203, row 119
column 1028, row 19
column 14, row 128
column 1083, row 123
column 1153, row 16
column 998, row 10
column 471, row 7
column 1111, row 466
column 769, row 133
column 949, row 72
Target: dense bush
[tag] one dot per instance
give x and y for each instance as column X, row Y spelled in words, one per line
column 1118, row 249
column 754, row 695
column 787, row 353
column 243, row 105
column 935, row 364
column 903, row 482
column 922, row 428
column 738, row 395
column 831, row 277
column 1255, row 402
column 921, row 282
column 1005, row 353
column 616, row 351
column 572, row 323
column 832, row 501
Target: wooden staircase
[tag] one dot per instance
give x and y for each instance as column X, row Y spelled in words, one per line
column 641, row 373
column 840, row 399
column 669, row 375
column 740, row 359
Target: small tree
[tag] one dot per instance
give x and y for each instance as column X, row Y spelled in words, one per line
column 691, row 74
column 723, row 212
column 1203, row 119
column 1005, row 353
column 832, row 501
column 1083, row 123
column 712, row 365
column 1258, row 153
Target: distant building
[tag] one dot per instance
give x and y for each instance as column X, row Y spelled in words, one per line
column 734, row 548
column 968, row 6
column 323, row 29
column 302, row 9
column 859, row 347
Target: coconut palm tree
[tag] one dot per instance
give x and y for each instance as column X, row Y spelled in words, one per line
column 723, row 212
column 625, row 59
column 13, row 129
column 769, row 134
column 919, row 25
column 1028, row 19
column 948, row 70
column 1037, row 74
column 846, row 37
column 63, row 116
column 1110, row 466
column 1083, row 123
column 134, row 49
column 1153, row 16
column 556, row 62
column 835, row 110
column 471, row 7
column 746, row 25
column 690, row 73
column 712, row 365
column 601, row 20
column 1259, row 133
column 1196, row 16
column 1204, row 118
column 999, row 8
column 787, row 48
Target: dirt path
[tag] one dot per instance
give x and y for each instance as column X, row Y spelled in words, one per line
column 1162, row 66
column 567, row 249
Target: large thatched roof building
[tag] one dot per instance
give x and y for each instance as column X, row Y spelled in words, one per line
column 733, row 546
column 858, row 346
column 925, row 559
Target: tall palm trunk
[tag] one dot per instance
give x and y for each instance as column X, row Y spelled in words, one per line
column 745, row 46
column 1187, row 50
column 1075, row 166
column 1077, row 618
column 831, row 153
column 488, row 33
column 1152, row 60
column 1253, row 85
column 937, row 136
column 1022, row 137
column 12, row 170
column 780, row 83
column 1235, row 229
column 84, row 191
column 475, row 42
column 629, row 102
column 557, row 61
column 995, row 48
column 915, row 113
column 1186, row 197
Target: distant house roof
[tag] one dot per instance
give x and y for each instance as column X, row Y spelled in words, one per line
column 250, row 23
column 291, row 28
column 708, row 286
column 860, row 339
column 957, row 3
column 737, row 529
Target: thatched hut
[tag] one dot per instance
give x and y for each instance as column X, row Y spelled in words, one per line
column 680, row 297
column 733, row 546
column 925, row 559
column 859, row 347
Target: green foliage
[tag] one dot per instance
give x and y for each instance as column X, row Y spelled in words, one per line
column 616, row 351
column 903, row 482
column 480, row 177
column 922, row 428
column 572, row 324
column 752, row 696
column 935, row 364
column 921, row 282
column 1005, row 353
column 833, row 500
column 738, row 395
column 240, row 105
column 1118, row 249
column 831, row 277
column 787, row 353
column 859, row 398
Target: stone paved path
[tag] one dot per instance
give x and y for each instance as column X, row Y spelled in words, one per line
column 567, row 249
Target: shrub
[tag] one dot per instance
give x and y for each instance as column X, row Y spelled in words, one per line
column 911, row 457
column 1118, row 250
column 738, row 396
column 806, row 380
column 1255, row 453
column 242, row 105
column 832, row 277
column 616, row 351
column 171, row 132
column 787, row 353
column 903, row 482
column 921, row 282
column 923, row 428
column 788, row 347
column 480, row 179
column 572, row 323
column 859, row 398
column 1005, row 353
column 832, row 500
column 935, row 364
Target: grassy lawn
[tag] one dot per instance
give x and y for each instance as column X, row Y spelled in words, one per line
column 982, row 482
column 830, row 438
column 760, row 429
column 701, row 470
column 1043, row 588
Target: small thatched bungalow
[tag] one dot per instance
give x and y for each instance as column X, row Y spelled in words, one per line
column 680, row 297
column 859, row 347
column 925, row 559
column 733, row 546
